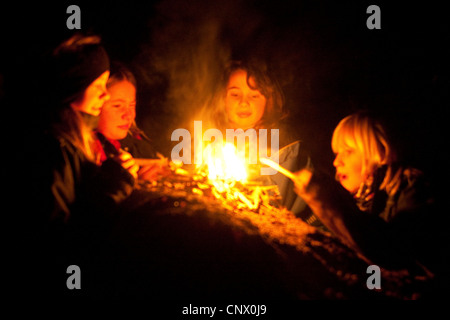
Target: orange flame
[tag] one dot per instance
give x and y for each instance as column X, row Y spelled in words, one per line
column 224, row 163
column 229, row 179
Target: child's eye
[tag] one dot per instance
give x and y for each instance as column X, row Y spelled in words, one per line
column 348, row 151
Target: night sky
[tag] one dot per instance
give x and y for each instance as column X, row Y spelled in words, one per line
column 328, row 62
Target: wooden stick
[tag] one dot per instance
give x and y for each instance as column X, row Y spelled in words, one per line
column 279, row 168
column 146, row 162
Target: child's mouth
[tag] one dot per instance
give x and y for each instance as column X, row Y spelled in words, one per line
column 244, row 114
column 124, row 127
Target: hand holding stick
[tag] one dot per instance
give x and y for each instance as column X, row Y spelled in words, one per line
column 301, row 178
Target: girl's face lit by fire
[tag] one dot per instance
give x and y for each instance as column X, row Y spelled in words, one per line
column 244, row 106
column 94, row 96
column 348, row 163
column 119, row 112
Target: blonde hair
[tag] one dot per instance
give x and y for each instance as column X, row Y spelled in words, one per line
column 363, row 132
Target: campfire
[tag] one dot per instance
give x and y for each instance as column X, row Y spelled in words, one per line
column 225, row 181
column 230, row 181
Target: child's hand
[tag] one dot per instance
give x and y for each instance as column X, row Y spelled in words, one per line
column 128, row 163
column 152, row 169
column 302, row 180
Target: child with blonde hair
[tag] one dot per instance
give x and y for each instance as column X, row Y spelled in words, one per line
column 380, row 206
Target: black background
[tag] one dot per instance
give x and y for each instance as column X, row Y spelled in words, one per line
column 328, row 62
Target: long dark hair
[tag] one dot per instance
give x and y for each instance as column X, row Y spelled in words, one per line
column 214, row 111
column 65, row 121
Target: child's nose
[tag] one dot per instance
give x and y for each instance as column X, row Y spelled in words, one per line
column 244, row 101
column 337, row 161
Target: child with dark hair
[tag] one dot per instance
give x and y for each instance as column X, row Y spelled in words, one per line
column 117, row 128
column 248, row 96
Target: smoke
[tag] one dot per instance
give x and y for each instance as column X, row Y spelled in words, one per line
column 190, row 42
column 180, row 65
column 191, row 61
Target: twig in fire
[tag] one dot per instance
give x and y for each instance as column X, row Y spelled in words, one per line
column 234, row 195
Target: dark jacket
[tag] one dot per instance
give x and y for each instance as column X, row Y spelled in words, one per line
column 393, row 231
column 74, row 206
column 71, row 181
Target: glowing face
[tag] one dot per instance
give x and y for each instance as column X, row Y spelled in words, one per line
column 94, row 96
column 244, row 106
column 348, row 163
column 119, row 112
